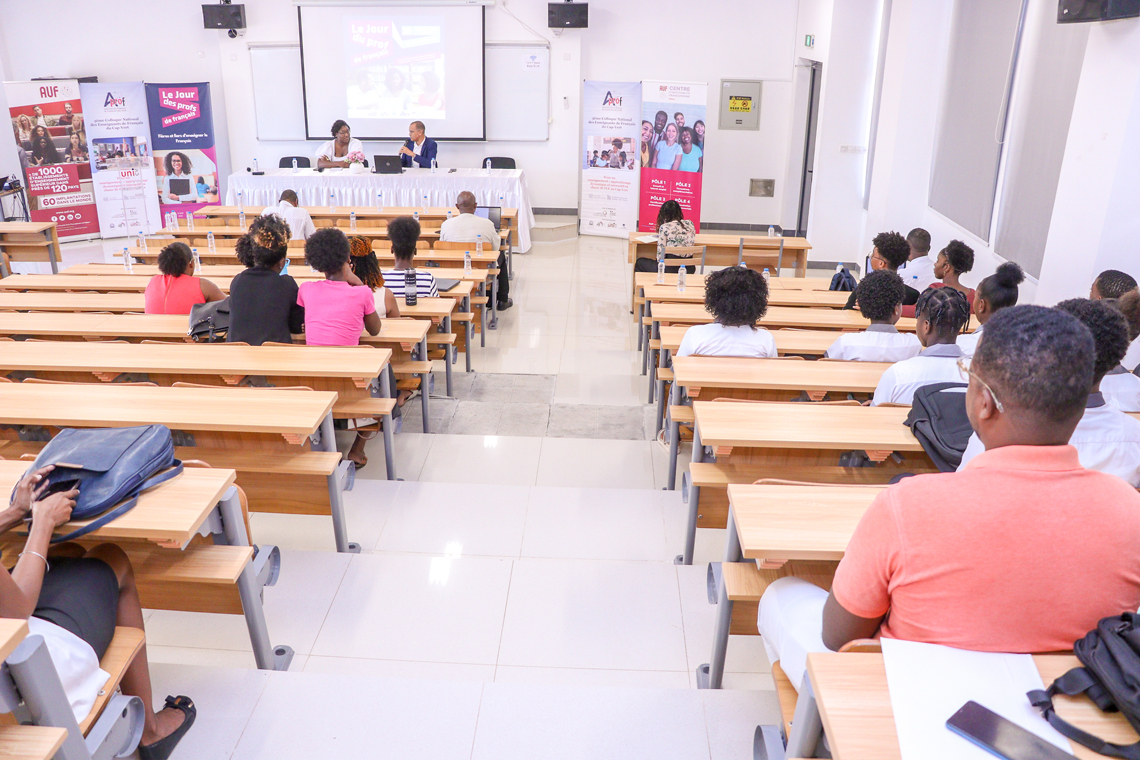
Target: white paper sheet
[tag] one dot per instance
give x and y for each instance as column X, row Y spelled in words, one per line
column 929, row 683
column 647, row 239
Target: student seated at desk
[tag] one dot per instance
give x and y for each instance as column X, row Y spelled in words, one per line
column 176, row 289
column 363, row 262
column 737, row 298
column 263, row 299
column 74, row 597
column 1120, row 387
column 998, row 291
column 673, row 231
column 890, row 252
column 1022, row 551
column 942, row 313
column 1112, row 283
column 404, row 232
column 1106, row 439
column 918, row 271
column 880, row 296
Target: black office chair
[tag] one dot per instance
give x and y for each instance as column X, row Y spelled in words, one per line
column 287, row 162
column 499, row 162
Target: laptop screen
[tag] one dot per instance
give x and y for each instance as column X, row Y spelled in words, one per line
column 494, row 213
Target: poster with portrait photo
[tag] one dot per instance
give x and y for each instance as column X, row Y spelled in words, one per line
column 672, row 148
column 607, row 203
column 183, row 152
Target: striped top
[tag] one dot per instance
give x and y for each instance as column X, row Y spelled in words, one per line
column 425, row 283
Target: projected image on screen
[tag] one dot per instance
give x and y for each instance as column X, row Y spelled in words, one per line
column 395, row 67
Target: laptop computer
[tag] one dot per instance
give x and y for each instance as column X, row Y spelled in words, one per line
column 494, row 213
column 386, row 165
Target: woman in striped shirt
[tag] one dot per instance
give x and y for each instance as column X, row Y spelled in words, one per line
column 404, row 232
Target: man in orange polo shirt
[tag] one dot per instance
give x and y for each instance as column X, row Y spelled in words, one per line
column 1023, row 550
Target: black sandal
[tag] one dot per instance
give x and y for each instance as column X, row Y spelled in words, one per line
column 164, row 747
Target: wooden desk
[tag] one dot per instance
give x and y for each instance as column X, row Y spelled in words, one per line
column 820, row 299
column 777, row 316
column 696, row 279
column 794, row 342
column 12, row 632
column 49, row 301
column 28, row 241
column 210, row 271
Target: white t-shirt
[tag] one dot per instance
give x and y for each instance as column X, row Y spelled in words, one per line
column 715, row 339
column 76, row 664
column 879, row 343
column 298, row 219
column 328, row 148
column 465, row 227
column 923, row 268
column 936, row 364
column 968, row 342
column 1121, row 389
column 1106, row 439
column 1132, row 358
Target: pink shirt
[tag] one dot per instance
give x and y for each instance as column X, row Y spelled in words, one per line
column 1023, row 550
column 169, row 294
column 334, row 312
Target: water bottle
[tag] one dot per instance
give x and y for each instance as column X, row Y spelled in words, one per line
column 488, row 166
column 174, row 220
column 500, row 200
column 380, row 200
column 410, row 294
column 449, row 213
column 210, row 242
column 771, row 231
column 416, row 215
column 332, row 200
column 142, row 242
column 433, row 166
column 189, row 220
column 660, row 270
column 294, row 166
column 197, row 261
column 255, row 169
column 681, row 280
column 127, row 262
column 241, row 220
column 767, row 276
column 241, row 205
column 425, row 202
column 478, row 245
column 352, row 220
column 467, row 262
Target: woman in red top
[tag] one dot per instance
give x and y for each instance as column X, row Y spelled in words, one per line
column 953, row 261
column 176, row 289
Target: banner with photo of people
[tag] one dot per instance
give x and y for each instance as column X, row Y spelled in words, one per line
column 608, row 203
column 118, row 134
column 47, row 121
column 672, row 149
column 184, row 156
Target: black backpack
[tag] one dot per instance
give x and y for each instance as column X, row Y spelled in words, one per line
column 939, row 422
column 209, row 322
column 843, row 280
column 1111, row 677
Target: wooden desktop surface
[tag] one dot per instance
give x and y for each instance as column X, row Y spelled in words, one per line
column 209, row 271
column 12, row 632
column 777, row 374
column 829, row 299
column 645, row 279
column 808, row 342
column 507, row 213
column 804, row 426
column 776, row 316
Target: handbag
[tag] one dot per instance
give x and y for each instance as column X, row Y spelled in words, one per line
column 109, row 466
column 210, row 322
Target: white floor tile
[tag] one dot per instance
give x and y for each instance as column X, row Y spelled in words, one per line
column 587, row 463
column 423, row 671
column 416, row 607
column 366, row 509
column 625, row 389
column 411, row 451
column 732, row 716
column 649, row 679
column 507, row 460
column 594, row 523
column 597, row 614
column 745, row 653
column 225, row 698
column 456, row 519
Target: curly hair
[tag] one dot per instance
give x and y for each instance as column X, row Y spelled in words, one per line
column 166, row 163
column 403, row 232
column 327, row 250
column 999, row 290
column 174, row 258
column 1038, row 359
column 892, row 247
column 1129, row 306
column 959, row 256
column 1109, row 329
column 670, row 211
column 364, row 263
column 878, row 294
column 736, row 296
column 946, row 310
column 1112, row 283
column 266, row 243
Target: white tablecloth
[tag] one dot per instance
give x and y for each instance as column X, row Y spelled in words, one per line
column 502, row 187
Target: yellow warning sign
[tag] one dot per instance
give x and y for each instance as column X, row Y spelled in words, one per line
column 740, row 104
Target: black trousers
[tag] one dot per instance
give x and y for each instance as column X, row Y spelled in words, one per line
column 504, row 279
column 650, row 265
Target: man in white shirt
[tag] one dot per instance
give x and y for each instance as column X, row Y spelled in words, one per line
column 467, row 228
column 941, row 315
column 879, row 297
column 298, row 219
column 918, row 271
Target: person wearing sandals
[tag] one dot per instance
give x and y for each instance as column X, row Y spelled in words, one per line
column 74, row 597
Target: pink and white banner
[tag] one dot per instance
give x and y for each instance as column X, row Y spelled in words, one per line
column 185, row 159
column 672, row 149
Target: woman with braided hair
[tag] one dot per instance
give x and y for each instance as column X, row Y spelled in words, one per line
column 263, row 301
column 364, row 263
column 942, row 314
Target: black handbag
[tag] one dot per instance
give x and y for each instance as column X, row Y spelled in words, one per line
column 210, row 322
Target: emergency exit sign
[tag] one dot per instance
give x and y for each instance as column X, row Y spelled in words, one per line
column 809, row 40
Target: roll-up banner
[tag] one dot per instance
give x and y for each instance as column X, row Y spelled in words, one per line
column 47, row 120
column 118, row 140
column 608, row 202
column 185, row 160
column 672, row 148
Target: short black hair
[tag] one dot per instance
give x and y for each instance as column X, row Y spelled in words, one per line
column 337, row 125
column 1109, row 329
column 959, row 256
column 289, row 195
column 878, row 294
column 174, row 258
column 999, row 290
column 1038, row 359
column 404, row 232
column 946, row 309
column 1129, row 306
column 670, row 211
column 892, row 247
column 919, row 240
column 266, row 243
column 736, row 296
column 327, row 250
column 1112, row 283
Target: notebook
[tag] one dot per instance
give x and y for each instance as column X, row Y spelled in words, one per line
column 444, row 284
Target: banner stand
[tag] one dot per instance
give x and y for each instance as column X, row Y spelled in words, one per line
column 608, row 198
column 673, row 139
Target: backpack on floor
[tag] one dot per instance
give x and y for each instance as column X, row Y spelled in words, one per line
column 938, row 420
column 1110, row 655
column 842, row 280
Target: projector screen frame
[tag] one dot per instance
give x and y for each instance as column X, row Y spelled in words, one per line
column 394, row 138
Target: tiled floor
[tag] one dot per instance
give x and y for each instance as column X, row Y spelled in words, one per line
column 516, row 595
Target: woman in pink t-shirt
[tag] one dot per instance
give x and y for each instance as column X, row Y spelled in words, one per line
column 176, row 289
column 340, row 306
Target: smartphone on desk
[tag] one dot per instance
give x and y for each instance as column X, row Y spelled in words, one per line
column 1000, row 736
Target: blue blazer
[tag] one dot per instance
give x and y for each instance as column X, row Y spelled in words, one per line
column 423, row 160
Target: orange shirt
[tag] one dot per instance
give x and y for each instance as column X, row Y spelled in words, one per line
column 167, row 294
column 1022, row 551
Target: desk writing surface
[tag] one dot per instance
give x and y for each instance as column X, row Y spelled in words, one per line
column 425, row 308
column 237, row 410
column 776, row 297
column 751, row 242
column 67, row 324
column 777, row 374
column 342, row 212
column 695, row 279
column 229, row 271
column 804, row 426
column 25, row 228
column 12, row 632
column 810, row 342
column 49, row 301
column 776, row 316
column 171, row 512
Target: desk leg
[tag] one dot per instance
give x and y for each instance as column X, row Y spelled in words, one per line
column 494, row 303
column 675, row 436
column 425, row 380
column 647, row 311
column 807, row 725
column 711, row 675
column 640, row 335
column 662, row 404
column 483, row 316
column 53, row 256
column 35, row 682
column 470, row 327
column 694, row 502
column 336, row 503
column 801, row 263
column 386, row 426
column 653, row 354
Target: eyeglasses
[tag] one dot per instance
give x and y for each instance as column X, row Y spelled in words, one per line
column 965, row 369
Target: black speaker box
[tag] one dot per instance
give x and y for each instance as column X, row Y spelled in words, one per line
column 568, row 15
column 223, row 16
column 1074, row 11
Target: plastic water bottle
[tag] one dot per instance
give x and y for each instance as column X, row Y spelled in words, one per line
column 767, row 276
column 197, row 261
column 128, row 264
column 332, row 200
column 189, row 220
column 681, row 280
column 478, row 245
column 488, row 166
column 433, row 166
column 352, row 220
column 467, row 262
column 255, row 169
column 449, row 213
column 173, row 220
column 380, row 200
column 410, row 295
column 294, row 166
column 210, row 242
column 425, row 202
column 771, row 231
column 500, row 200
column 416, row 215
column 142, row 242
column 241, row 220
column 241, row 205
column 660, row 270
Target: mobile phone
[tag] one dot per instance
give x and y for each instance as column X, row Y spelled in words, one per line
column 1000, row 736
column 59, row 486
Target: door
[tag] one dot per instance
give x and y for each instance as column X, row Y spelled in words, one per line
column 812, row 82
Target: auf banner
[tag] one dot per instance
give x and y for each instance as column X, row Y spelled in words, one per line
column 47, row 122
column 672, row 149
column 608, row 203
column 185, row 160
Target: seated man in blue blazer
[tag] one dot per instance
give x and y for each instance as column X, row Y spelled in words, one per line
column 418, row 150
